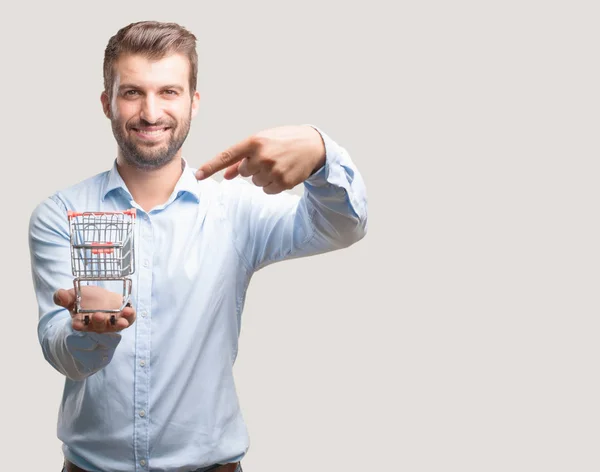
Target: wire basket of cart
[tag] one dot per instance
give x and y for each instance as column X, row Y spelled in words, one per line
column 102, row 250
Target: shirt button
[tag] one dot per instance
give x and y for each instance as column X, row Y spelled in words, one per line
column 144, row 313
column 142, row 462
column 104, row 358
column 142, row 363
column 142, row 413
column 146, row 263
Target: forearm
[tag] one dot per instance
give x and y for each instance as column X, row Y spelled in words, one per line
column 330, row 215
column 75, row 354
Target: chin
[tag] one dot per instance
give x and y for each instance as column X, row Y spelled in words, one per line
column 144, row 162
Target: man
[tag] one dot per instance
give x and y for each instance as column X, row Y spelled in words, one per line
column 155, row 390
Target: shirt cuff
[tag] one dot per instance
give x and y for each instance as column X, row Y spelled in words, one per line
column 332, row 158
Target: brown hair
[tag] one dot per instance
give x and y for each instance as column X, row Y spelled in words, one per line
column 153, row 40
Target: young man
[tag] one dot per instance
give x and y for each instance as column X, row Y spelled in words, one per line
column 158, row 394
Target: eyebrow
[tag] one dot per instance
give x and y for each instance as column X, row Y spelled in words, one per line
column 164, row 87
column 173, row 87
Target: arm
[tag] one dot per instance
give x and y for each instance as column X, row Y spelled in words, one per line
column 75, row 354
column 331, row 214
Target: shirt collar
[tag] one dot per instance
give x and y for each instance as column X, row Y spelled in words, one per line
column 187, row 183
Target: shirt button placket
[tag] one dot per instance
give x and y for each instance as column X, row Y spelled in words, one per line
column 143, row 335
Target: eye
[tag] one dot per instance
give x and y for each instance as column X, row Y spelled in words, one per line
column 170, row 92
column 131, row 93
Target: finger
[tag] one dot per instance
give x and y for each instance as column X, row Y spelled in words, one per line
column 232, row 171
column 248, row 167
column 123, row 320
column 78, row 323
column 273, row 188
column 261, row 179
column 120, row 324
column 98, row 322
column 228, row 157
column 128, row 316
column 64, row 298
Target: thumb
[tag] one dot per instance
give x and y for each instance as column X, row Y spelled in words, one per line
column 64, row 298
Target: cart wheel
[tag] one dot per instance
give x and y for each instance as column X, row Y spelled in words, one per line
column 113, row 320
column 86, row 320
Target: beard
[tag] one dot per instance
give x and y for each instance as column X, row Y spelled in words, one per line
column 150, row 156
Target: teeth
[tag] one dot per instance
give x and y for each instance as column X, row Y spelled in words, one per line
column 151, row 133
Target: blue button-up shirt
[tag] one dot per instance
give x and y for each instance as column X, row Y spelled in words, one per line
column 160, row 395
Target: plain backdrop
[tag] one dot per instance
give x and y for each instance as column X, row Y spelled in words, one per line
column 462, row 333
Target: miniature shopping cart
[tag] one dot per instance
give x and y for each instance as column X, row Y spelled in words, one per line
column 102, row 249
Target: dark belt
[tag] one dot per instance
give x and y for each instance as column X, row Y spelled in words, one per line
column 70, row 467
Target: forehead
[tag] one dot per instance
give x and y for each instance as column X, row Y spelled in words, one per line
column 144, row 72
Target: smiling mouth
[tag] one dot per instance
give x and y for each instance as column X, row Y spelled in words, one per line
column 150, row 132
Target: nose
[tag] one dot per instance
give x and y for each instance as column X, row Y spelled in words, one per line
column 150, row 111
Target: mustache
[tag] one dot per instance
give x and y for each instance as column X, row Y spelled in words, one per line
column 143, row 124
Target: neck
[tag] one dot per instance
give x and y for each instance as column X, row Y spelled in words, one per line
column 150, row 188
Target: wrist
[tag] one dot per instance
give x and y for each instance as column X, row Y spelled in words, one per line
column 320, row 152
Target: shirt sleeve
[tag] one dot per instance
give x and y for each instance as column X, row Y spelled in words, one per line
column 331, row 214
column 75, row 354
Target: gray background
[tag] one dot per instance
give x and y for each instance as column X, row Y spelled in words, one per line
column 461, row 334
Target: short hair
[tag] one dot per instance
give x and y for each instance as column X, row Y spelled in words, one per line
column 153, row 40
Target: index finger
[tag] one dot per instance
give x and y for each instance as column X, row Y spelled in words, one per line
column 226, row 158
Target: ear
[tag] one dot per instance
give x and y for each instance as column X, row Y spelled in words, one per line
column 195, row 103
column 105, row 104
